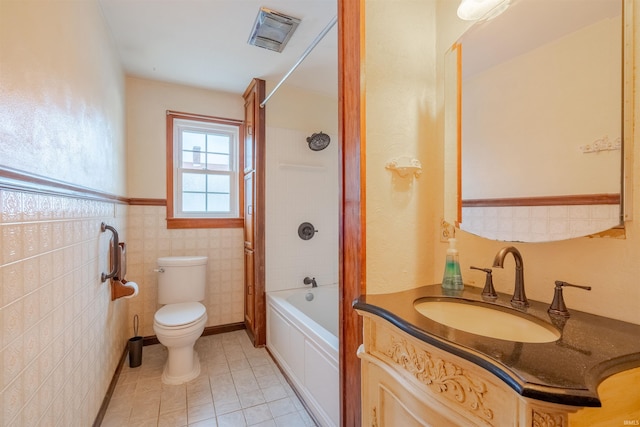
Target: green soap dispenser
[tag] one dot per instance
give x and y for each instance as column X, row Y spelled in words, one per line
column 452, row 279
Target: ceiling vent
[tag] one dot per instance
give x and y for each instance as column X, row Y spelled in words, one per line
column 272, row 30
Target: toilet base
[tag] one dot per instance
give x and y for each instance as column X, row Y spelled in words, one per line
column 178, row 371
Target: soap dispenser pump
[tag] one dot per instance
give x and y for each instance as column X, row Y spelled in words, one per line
column 452, row 279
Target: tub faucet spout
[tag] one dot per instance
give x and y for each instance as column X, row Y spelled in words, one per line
column 310, row 281
column 519, row 298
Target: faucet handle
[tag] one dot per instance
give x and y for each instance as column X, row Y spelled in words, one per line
column 488, row 292
column 558, row 306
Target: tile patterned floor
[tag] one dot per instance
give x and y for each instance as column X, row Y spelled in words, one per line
column 239, row 385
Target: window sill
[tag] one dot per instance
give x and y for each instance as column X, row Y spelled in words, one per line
column 205, row 223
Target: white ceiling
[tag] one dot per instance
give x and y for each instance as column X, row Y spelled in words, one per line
column 203, row 43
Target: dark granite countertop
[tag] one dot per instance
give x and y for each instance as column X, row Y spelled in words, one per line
column 566, row 371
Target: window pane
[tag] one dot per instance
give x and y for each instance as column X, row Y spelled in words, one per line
column 193, row 159
column 218, row 162
column 193, row 139
column 218, row 203
column 193, row 143
column 194, row 202
column 218, row 184
column 194, row 182
column 205, row 167
column 218, row 143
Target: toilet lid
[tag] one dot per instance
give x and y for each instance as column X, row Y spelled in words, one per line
column 179, row 314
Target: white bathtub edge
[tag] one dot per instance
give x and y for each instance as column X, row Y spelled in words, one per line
column 320, row 341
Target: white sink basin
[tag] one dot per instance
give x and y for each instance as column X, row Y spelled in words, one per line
column 487, row 320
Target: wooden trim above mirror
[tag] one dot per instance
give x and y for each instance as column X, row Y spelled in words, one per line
column 581, row 199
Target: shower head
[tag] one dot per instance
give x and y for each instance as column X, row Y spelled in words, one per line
column 318, row 141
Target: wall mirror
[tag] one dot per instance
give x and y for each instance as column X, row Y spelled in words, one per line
column 538, row 120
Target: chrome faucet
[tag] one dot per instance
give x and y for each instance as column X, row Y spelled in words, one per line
column 519, row 298
column 310, row 281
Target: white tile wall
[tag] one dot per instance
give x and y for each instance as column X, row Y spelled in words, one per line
column 539, row 223
column 149, row 239
column 61, row 337
column 302, row 186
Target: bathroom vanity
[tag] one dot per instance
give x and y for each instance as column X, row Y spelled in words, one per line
column 417, row 371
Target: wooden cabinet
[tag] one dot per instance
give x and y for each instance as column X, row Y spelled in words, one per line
column 249, row 219
column 407, row 382
column 249, row 289
column 250, row 102
column 254, row 212
column 620, row 396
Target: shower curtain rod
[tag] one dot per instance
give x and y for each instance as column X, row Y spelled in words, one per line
column 302, row 57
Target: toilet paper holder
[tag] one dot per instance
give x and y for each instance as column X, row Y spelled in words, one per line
column 117, row 259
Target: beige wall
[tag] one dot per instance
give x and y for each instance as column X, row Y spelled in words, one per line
column 147, row 103
column 294, row 108
column 505, row 143
column 61, row 94
column 401, row 121
column 61, row 116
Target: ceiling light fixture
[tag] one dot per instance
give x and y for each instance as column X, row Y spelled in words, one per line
column 272, row 30
column 474, row 10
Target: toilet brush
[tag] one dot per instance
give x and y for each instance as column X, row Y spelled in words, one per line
column 135, row 346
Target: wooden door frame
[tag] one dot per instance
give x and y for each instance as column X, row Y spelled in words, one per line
column 351, row 128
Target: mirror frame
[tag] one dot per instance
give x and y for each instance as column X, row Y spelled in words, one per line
column 452, row 212
column 628, row 91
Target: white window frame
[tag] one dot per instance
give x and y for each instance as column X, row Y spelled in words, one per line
column 209, row 126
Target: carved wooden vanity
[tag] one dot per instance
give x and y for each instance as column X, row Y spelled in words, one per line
column 412, row 380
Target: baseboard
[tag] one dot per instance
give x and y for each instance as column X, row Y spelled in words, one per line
column 152, row 339
column 110, row 390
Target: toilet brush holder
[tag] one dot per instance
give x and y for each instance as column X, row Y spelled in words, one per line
column 135, row 346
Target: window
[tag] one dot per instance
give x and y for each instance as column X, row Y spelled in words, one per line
column 203, row 160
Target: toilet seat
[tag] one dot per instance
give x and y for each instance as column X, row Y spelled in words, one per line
column 179, row 316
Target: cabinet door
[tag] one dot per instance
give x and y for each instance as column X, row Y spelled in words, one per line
column 249, row 218
column 254, row 212
column 386, row 402
column 249, row 291
column 249, row 122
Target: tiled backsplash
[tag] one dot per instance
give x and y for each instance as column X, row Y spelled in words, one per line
column 539, row 223
column 61, row 335
column 149, row 239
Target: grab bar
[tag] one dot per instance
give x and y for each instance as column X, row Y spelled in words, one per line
column 115, row 256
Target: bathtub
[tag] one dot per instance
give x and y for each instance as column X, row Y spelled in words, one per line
column 303, row 338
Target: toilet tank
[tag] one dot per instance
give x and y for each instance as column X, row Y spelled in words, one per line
column 181, row 279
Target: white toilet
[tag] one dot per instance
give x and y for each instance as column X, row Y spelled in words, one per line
column 181, row 320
